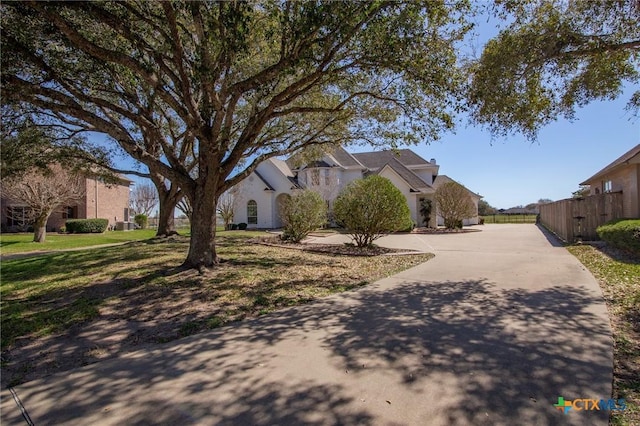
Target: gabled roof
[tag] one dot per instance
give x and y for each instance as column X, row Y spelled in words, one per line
column 316, row 164
column 442, row 179
column 344, row 159
column 413, row 180
column 269, row 187
column 377, row 159
column 282, row 166
column 624, row 159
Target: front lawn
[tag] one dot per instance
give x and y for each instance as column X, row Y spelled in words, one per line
column 619, row 276
column 23, row 243
column 63, row 310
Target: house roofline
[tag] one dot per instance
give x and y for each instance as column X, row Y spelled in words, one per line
column 620, row 161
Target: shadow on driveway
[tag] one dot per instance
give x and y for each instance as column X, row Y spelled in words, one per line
column 450, row 353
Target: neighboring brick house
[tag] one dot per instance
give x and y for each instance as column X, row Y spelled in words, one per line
column 101, row 200
column 622, row 175
column 259, row 197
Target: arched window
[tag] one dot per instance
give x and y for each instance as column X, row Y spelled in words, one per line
column 252, row 212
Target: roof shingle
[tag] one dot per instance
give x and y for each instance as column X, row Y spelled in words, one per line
column 377, row 159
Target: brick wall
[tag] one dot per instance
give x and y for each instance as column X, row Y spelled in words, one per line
column 105, row 201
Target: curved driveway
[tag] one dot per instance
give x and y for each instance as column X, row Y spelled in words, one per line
column 491, row 331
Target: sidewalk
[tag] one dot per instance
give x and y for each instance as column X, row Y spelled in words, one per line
column 491, row 331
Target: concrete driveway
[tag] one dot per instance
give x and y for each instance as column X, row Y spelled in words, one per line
column 491, row 331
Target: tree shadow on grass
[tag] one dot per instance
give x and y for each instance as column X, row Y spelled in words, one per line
column 53, row 329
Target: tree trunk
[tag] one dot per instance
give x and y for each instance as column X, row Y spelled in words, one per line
column 168, row 198
column 40, row 229
column 202, row 248
column 166, row 222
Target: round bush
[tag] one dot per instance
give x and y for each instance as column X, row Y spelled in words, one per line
column 371, row 207
column 306, row 211
column 141, row 220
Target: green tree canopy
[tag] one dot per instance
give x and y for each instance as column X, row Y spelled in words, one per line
column 485, row 209
column 202, row 92
column 554, row 56
column 27, row 145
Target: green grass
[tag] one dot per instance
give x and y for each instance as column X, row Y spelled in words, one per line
column 619, row 276
column 510, row 218
column 46, row 296
column 23, row 243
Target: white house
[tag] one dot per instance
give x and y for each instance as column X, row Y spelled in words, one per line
column 258, row 198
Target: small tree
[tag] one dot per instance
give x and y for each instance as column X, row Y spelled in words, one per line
column 42, row 193
column 144, row 198
column 426, row 205
column 485, row 209
column 226, row 205
column 370, row 208
column 303, row 213
column 454, row 204
column 581, row 192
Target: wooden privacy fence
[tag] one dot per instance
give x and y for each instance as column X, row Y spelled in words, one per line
column 578, row 218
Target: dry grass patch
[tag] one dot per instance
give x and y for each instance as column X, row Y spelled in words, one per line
column 69, row 309
column 619, row 276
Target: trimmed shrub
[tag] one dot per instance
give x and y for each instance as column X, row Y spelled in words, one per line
column 622, row 233
column 370, row 208
column 306, row 211
column 234, row 226
column 141, row 220
column 242, row 226
column 86, row 226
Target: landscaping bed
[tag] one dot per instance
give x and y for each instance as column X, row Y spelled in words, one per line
column 334, row 249
column 618, row 273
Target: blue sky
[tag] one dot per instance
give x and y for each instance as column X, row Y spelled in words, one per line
column 513, row 171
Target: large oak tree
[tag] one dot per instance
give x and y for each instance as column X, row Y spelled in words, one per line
column 552, row 57
column 202, row 92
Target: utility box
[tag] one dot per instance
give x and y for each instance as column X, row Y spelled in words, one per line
column 125, row 226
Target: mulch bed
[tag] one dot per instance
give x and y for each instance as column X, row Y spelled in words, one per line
column 335, row 249
column 443, row 231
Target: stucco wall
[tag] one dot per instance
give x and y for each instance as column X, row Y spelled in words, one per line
column 252, row 188
column 410, row 197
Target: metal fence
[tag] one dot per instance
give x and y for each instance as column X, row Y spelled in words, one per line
column 576, row 219
column 510, row 218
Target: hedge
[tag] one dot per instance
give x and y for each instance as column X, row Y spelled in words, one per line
column 86, row 226
column 622, row 233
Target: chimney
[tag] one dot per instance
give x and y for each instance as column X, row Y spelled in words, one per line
column 433, row 161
